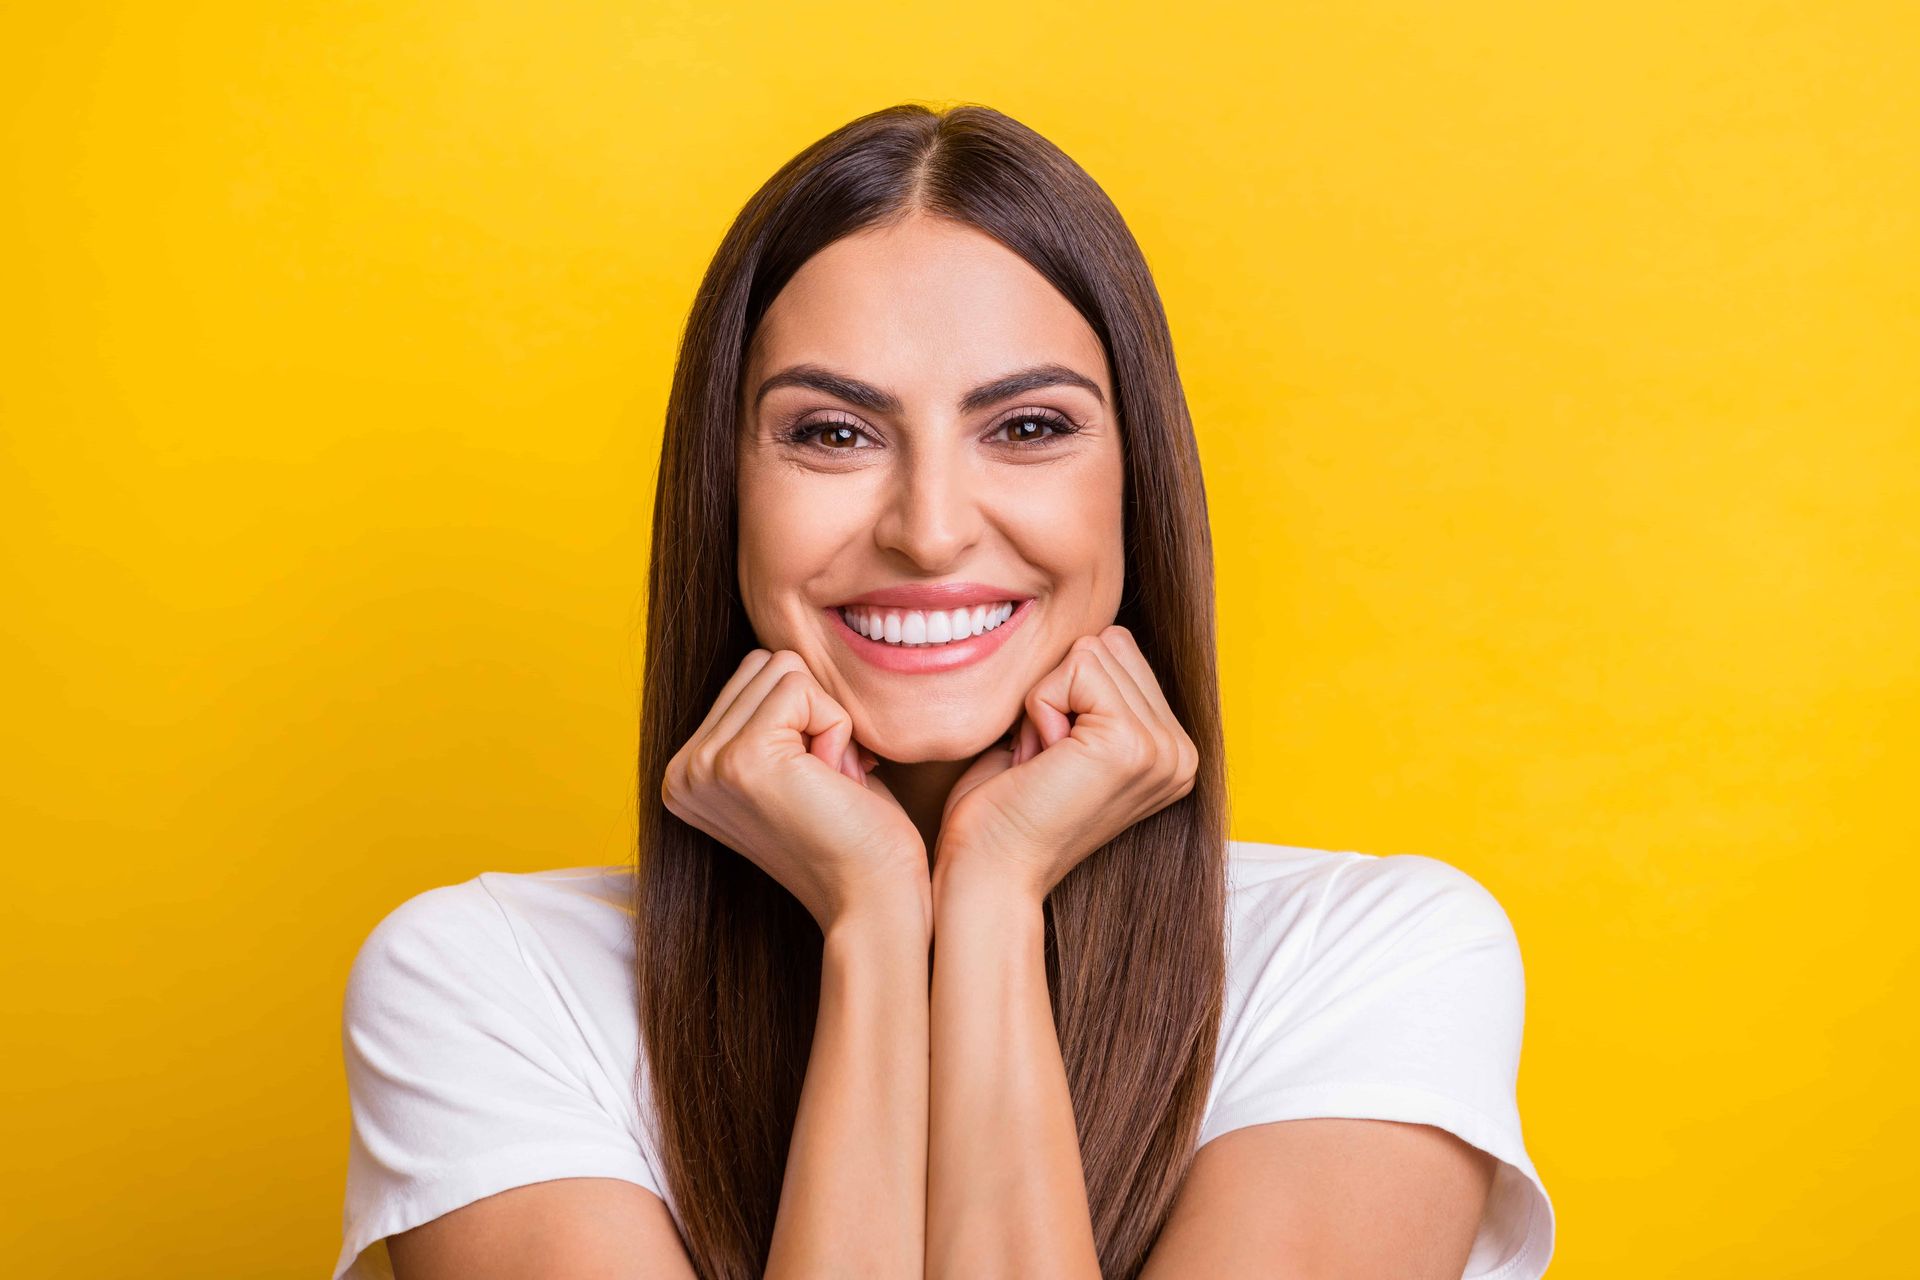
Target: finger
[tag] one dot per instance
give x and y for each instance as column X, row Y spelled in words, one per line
column 1026, row 742
column 1082, row 685
column 798, row 705
column 749, row 667
column 855, row 760
column 1129, row 688
column 1122, row 645
column 776, row 665
column 1171, row 736
column 992, row 762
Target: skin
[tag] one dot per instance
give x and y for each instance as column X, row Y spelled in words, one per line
column 928, row 310
column 935, row 1133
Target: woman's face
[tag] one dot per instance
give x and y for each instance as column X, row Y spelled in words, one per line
column 878, row 462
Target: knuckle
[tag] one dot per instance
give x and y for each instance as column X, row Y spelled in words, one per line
column 790, row 687
column 1165, row 750
column 729, row 767
column 698, row 766
column 1142, row 754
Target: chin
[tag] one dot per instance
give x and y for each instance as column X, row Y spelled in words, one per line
column 919, row 743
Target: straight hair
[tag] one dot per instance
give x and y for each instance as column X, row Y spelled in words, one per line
column 727, row 962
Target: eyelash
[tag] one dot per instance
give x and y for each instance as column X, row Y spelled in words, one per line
column 800, row 433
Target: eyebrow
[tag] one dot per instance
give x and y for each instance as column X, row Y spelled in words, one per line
column 877, row 400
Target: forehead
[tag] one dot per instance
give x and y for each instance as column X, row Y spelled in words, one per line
column 923, row 307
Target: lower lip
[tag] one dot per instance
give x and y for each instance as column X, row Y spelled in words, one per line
column 930, row 658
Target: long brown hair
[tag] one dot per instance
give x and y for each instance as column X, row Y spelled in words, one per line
column 727, row 961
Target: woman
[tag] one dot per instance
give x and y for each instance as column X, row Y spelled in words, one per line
column 940, row 959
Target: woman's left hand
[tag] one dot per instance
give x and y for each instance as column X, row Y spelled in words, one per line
column 1097, row 750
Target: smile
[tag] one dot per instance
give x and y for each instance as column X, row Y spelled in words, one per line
column 922, row 641
column 925, row 626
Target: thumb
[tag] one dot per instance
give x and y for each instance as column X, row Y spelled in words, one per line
column 853, row 762
column 989, row 764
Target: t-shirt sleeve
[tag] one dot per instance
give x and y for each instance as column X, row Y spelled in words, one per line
column 461, row 1078
column 1405, row 1002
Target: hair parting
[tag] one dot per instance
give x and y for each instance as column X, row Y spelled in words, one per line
column 727, row 962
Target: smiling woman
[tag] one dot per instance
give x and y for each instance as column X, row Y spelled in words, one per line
column 935, row 956
column 967, row 430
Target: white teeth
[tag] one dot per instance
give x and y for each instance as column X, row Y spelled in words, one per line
column 922, row 627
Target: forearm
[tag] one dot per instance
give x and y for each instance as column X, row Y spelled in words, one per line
column 1006, row 1195
column 853, row 1202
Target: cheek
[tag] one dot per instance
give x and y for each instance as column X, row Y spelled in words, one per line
column 788, row 536
column 1073, row 529
column 766, row 549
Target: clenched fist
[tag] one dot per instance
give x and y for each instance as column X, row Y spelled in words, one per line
column 773, row 773
column 1096, row 750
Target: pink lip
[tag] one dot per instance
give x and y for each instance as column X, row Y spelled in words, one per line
column 928, row 659
column 937, row 595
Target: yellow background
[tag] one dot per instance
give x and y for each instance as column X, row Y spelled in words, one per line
column 1554, row 368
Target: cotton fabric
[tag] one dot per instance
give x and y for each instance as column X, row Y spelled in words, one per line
column 491, row 1039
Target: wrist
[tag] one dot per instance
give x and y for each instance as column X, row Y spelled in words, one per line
column 997, row 886
column 893, row 911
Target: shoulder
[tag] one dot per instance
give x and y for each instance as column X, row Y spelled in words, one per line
column 1338, row 958
column 1268, row 875
column 538, row 960
column 429, row 925
column 433, row 936
column 1317, row 904
column 491, row 1039
column 497, row 924
column 1381, row 906
column 1384, row 987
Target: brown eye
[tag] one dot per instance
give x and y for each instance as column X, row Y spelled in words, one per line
column 837, row 436
column 1032, row 426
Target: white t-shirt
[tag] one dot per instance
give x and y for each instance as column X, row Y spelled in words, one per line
column 491, row 1035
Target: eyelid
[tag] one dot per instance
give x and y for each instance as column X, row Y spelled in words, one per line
column 1068, row 424
column 800, row 429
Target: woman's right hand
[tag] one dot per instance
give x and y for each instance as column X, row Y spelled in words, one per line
column 773, row 773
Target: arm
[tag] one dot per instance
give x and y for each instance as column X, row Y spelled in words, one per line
column 1097, row 750
column 1357, row 1198
column 1005, row 1191
column 554, row 1230
column 853, row 1202
column 763, row 774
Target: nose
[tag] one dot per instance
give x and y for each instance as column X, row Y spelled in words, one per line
column 932, row 513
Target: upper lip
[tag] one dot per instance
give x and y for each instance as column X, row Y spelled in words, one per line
column 934, row 595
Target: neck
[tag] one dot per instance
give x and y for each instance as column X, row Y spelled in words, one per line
column 922, row 790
